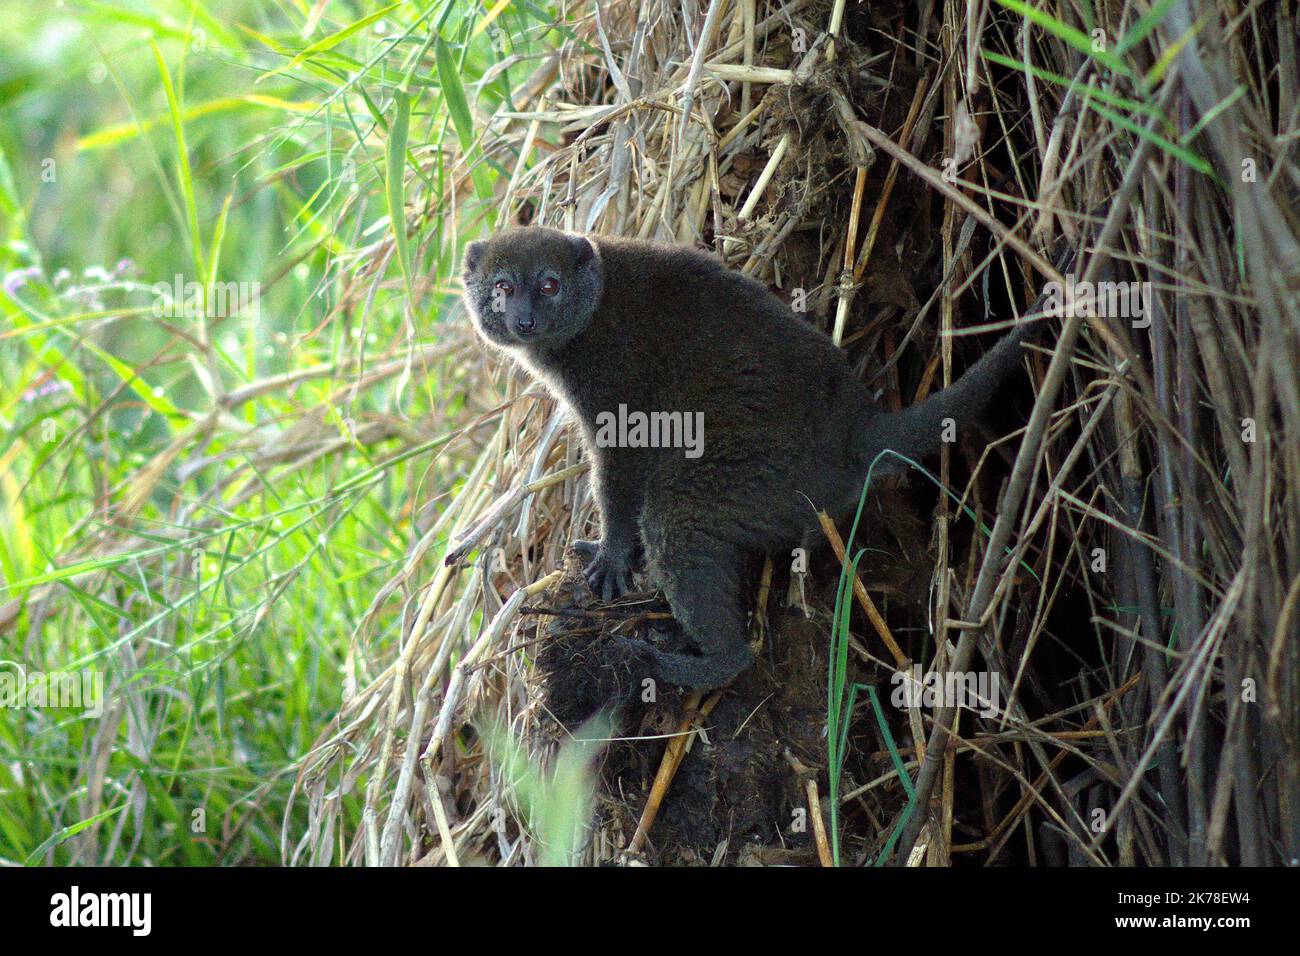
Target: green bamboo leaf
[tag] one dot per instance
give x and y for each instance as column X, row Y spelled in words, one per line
column 453, row 92
column 183, row 172
column 395, row 186
column 122, row 132
column 1121, row 102
column 1169, row 54
column 68, row 832
column 218, row 237
column 9, row 204
column 1142, row 29
column 333, row 40
column 1068, row 34
column 1181, row 152
column 903, row 776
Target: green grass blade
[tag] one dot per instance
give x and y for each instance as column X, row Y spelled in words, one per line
column 183, row 172
column 453, row 92
column 1068, row 34
column 333, row 40
column 395, row 187
column 68, row 832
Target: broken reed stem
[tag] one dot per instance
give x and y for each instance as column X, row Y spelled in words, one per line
column 504, row 505
column 711, row 21
column 755, row 194
column 845, row 291
column 860, row 592
column 820, row 837
column 819, row 825
column 672, row 759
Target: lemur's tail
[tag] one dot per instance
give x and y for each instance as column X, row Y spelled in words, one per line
column 919, row 430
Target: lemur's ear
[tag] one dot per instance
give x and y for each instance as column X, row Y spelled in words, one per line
column 474, row 255
column 585, row 252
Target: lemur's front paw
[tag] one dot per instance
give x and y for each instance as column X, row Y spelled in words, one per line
column 609, row 574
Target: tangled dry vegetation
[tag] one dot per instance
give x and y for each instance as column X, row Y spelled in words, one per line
column 1126, row 559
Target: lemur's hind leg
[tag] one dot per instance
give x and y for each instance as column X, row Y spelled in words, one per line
column 701, row 579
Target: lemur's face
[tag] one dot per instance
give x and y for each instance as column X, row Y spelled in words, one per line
column 532, row 288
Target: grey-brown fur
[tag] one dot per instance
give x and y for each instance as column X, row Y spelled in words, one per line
column 788, row 429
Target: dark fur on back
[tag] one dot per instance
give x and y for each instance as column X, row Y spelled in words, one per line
column 787, row 427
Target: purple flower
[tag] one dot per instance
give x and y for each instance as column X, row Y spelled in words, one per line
column 14, row 281
column 50, row 386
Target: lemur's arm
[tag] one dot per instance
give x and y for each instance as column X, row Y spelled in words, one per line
column 619, row 491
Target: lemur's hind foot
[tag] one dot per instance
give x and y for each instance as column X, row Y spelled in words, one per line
column 701, row 579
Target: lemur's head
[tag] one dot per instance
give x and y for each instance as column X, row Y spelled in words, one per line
column 532, row 288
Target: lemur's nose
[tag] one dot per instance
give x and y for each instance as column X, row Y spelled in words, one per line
column 526, row 324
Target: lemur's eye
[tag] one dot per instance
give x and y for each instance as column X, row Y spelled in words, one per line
column 550, row 286
column 505, row 286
